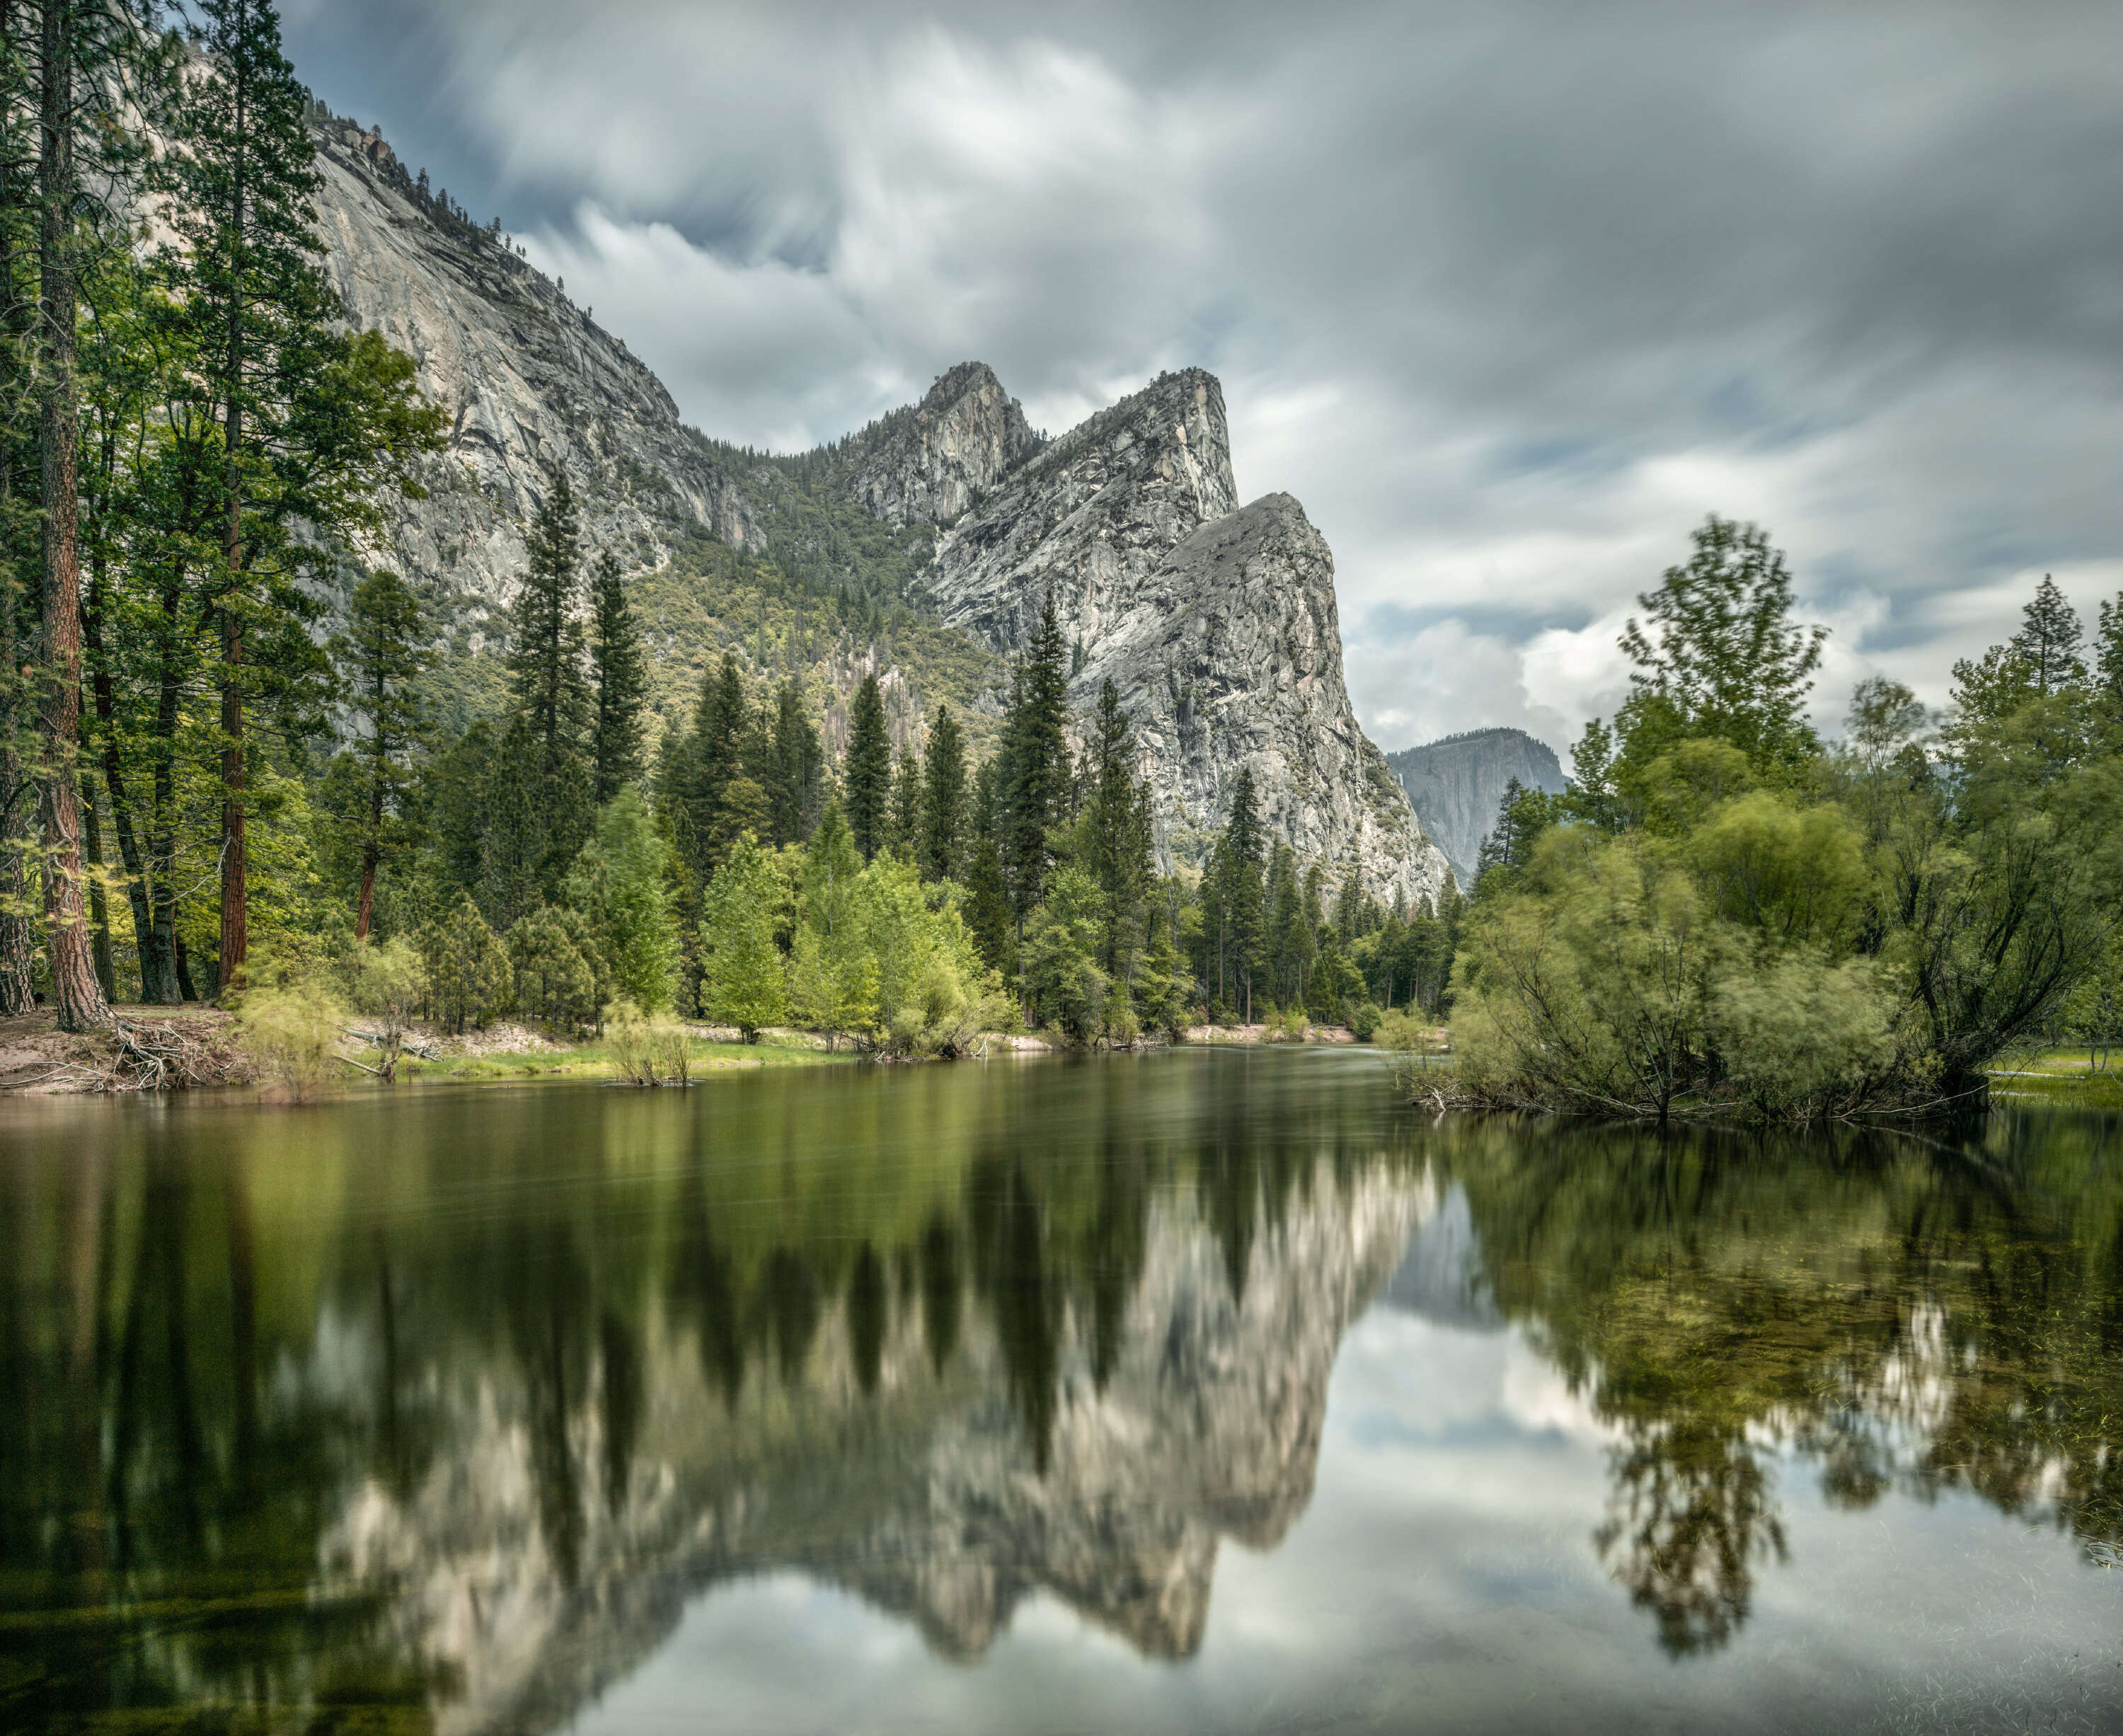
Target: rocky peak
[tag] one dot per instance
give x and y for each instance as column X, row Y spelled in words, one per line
column 929, row 464
column 1218, row 628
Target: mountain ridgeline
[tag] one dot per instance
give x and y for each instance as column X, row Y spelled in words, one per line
column 1456, row 783
column 920, row 549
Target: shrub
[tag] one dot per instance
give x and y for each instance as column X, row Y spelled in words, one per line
column 1364, row 1020
column 293, row 1033
column 1292, row 1026
column 386, row 981
column 648, row 1049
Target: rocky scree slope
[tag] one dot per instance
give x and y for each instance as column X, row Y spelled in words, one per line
column 1457, row 783
column 1225, row 644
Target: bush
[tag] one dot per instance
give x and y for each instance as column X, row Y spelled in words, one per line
column 386, row 981
column 1287, row 1027
column 293, row 1033
column 648, row 1049
column 1364, row 1020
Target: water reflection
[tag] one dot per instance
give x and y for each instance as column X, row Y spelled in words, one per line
column 434, row 1412
column 1899, row 1313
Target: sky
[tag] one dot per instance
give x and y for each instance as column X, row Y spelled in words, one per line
column 1509, row 295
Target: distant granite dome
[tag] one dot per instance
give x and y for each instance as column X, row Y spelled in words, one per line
column 1457, row 782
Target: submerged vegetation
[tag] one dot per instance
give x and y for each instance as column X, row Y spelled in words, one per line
column 1724, row 915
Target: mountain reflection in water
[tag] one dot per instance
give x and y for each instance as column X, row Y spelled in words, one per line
column 440, row 1410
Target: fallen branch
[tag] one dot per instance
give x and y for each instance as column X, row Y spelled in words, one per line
column 380, row 1040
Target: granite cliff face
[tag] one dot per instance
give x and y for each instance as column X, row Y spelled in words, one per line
column 929, row 464
column 529, row 382
column 1218, row 627
column 1457, row 783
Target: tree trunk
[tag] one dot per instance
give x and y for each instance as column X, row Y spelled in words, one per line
column 18, row 939
column 99, row 906
column 184, row 966
column 235, row 912
column 234, row 906
column 76, row 995
column 158, row 974
column 371, row 849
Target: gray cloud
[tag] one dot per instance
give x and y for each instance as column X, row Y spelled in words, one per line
column 1509, row 295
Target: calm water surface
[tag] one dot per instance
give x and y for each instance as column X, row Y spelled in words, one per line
column 1209, row 1390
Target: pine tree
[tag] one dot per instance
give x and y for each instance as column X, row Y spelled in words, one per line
column 1285, row 938
column 2042, row 658
column 2049, row 641
column 86, row 62
column 262, row 309
column 2108, row 673
column 1034, row 798
column 1721, row 657
column 1240, row 894
column 1115, row 827
column 552, row 705
column 944, row 799
column 712, row 757
column 467, row 966
column 544, row 656
column 903, row 829
column 795, row 770
column 988, row 893
column 381, row 657
column 868, row 779
column 619, row 672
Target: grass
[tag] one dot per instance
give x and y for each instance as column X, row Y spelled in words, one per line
column 593, row 1060
column 2061, row 1077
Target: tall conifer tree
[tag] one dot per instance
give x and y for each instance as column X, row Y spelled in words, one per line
column 870, row 771
column 381, row 656
column 265, row 308
column 795, row 770
column 1036, row 758
column 620, row 674
column 904, row 828
column 84, row 58
column 943, row 839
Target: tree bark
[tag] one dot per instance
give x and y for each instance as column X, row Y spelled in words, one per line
column 158, row 974
column 99, row 907
column 234, row 883
column 77, row 996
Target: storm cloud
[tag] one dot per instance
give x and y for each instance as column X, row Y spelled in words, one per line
column 1509, row 295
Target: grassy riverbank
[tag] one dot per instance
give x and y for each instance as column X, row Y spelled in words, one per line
column 2061, row 1077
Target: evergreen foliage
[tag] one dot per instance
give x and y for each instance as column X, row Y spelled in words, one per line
column 381, row 656
column 619, row 673
column 869, row 778
column 941, row 848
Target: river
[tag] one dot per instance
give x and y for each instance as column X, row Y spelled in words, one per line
column 1201, row 1390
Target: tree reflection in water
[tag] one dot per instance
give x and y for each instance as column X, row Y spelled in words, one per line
column 943, row 1340
column 1902, row 1313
